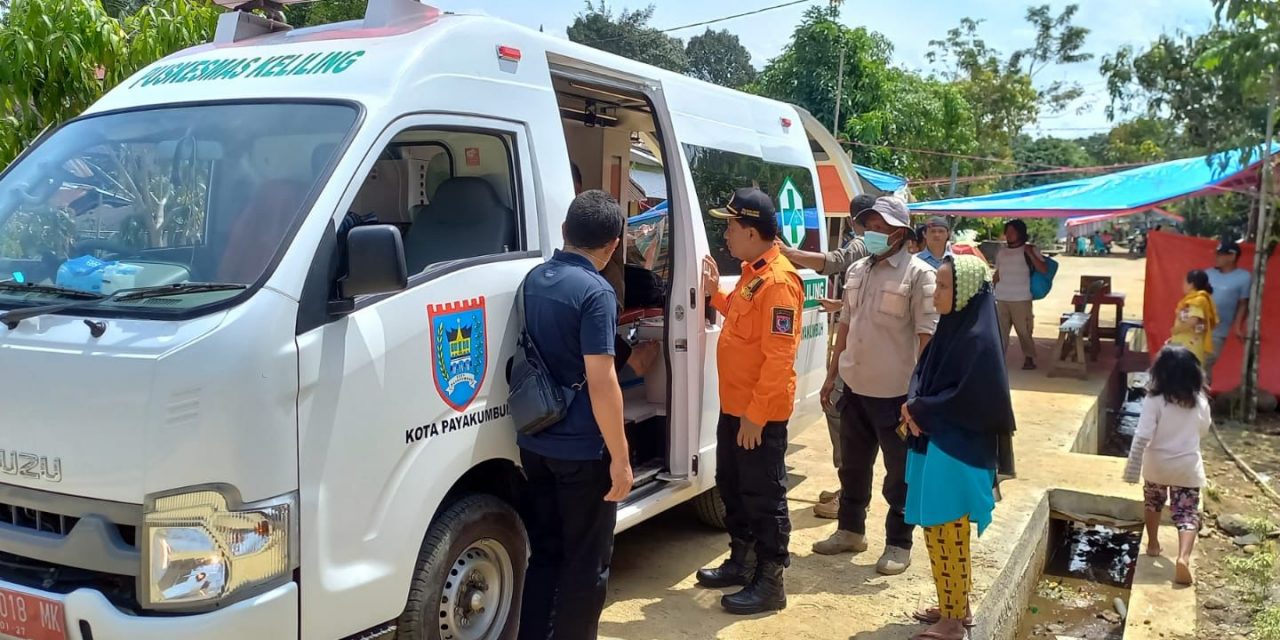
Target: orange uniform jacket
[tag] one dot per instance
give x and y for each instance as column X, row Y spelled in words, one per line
column 757, row 352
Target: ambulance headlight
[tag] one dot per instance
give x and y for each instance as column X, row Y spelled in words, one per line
column 199, row 552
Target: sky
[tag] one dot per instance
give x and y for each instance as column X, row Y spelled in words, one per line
column 909, row 25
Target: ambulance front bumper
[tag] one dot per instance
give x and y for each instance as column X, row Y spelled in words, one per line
column 89, row 616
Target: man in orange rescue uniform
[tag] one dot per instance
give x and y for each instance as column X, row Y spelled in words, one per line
column 757, row 355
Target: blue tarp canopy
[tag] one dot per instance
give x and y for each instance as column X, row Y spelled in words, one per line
column 886, row 182
column 1127, row 191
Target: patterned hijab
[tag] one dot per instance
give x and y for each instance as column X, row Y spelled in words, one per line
column 971, row 276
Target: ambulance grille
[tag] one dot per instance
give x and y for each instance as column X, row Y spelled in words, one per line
column 55, row 523
column 41, row 521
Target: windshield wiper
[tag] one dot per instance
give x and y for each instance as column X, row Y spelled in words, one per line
column 177, row 289
column 11, row 319
column 51, row 289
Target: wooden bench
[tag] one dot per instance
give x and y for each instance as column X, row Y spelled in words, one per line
column 1078, row 329
column 1069, row 354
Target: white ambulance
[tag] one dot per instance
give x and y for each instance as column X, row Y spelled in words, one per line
column 256, row 306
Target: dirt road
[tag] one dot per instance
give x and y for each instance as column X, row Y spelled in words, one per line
column 652, row 593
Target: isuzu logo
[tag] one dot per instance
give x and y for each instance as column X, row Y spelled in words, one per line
column 23, row 464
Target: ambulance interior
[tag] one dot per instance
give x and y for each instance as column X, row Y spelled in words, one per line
column 614, row 146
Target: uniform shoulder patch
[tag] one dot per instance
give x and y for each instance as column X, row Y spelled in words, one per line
column 749, row 291
column 784, row 321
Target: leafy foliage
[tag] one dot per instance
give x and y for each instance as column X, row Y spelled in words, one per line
column 629, row 35
column 923, row 114
column 1212, row 107
column 806, row 71
column 325, row 12
column 1000, row 90
column 720, row 58
column 61, row 55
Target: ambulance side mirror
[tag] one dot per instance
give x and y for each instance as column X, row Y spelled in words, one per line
column 375, row 262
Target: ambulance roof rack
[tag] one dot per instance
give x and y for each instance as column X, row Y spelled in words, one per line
column 240, row 24
column 387, row 13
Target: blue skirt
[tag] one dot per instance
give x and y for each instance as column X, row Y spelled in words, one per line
column 941, row 489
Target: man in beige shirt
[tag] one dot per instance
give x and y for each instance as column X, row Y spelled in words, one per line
column 887, row 319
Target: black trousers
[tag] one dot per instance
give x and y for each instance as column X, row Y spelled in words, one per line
column 753, row 486
column 571, row 544
column 867, row 427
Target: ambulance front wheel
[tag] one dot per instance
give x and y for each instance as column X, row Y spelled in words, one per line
column 710, row 508
column 469, row 576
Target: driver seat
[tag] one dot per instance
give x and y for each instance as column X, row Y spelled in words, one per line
column 259, row 230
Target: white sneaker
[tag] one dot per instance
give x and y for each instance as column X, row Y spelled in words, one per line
column 894, row 561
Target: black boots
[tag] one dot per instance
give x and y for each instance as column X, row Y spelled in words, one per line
column 765, row 593
column 736, row 571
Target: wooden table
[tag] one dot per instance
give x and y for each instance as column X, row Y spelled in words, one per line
column 1115, row 299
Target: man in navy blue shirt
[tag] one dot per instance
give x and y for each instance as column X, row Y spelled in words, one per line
column 579, row 468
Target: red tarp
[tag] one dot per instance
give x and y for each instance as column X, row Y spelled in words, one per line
column 1169, row 258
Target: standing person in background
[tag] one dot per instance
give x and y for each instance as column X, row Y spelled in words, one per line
column 579, row 468
column 757, row 354
column 937, row 241
column 1166, row 451
column 1230, row 286
column 835, row 263
column 1014, row 263
column 960, row 417
column 1196, row 317
column 915, row 240
column 886, row 322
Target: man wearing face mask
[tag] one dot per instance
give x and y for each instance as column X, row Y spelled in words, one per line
column 835, row 263
column 888, row 318
column 757, row 354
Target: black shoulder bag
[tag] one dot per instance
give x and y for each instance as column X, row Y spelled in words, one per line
column 536, row 400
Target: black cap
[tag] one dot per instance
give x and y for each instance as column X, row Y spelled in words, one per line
column 860, row 204
column 1229, row 246
column 748, row 203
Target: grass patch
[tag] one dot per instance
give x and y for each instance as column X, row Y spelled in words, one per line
column 1261, row 527
column 1253, row 574
column 1267, row 625
column 1213, row 492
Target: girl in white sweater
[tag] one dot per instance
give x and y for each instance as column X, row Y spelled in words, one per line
column 1166, row 450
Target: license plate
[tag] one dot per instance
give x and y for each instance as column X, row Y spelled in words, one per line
column 27, row 617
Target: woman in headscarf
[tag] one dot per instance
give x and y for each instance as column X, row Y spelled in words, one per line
column 958, row 421
column 1196, row 316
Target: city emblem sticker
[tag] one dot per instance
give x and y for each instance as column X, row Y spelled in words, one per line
column 459, row 350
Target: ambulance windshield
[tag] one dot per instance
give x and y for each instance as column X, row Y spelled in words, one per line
column 162, row 197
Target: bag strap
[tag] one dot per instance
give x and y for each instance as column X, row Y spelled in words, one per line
column 525, row 341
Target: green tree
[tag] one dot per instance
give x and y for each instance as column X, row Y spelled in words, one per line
column 1140, row 140
column 629, row 35
column 1042, row 153
column 1001, row 90
column 923, row 113
column 63, row 54
column 1058, row 41
column 806, row 72
column 718, row 57
column 1211, row 107
column 325, row 12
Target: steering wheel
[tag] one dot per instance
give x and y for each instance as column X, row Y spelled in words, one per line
column 85, row 247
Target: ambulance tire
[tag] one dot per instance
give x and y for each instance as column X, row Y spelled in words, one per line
column 475, row 551
column 710, row 508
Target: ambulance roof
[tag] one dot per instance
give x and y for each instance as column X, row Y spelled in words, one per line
column 388, row 66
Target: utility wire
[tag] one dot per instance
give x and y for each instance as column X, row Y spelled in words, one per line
column 708, row 22
column 953, row 155
column 997, row 176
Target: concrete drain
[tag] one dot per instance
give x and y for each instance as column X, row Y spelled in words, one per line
column 1083, row 590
